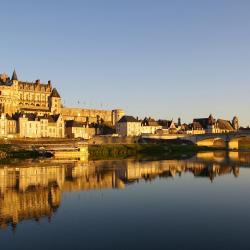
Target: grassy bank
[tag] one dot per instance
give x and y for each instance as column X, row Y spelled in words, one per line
column 163, row 150
column 167, row 150
column 10, row 151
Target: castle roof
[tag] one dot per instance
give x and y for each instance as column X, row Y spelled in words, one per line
column 55, row 93
column 35, row 117
column 14, row 76
column 4, row 79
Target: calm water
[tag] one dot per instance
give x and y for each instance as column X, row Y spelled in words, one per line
column 200, row 203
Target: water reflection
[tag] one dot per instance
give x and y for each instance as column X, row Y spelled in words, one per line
column 239, row 157
column 32, row 190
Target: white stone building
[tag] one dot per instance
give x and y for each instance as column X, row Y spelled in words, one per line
column 128, row 126
column 32, row 126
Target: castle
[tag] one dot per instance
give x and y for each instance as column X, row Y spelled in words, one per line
column 28, row 108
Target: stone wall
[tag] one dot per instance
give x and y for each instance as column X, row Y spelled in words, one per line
column 83, row 115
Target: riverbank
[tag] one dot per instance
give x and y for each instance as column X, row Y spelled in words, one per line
column 31, row 148
column 166, row 150
column 10, row 151
column 113, row 151
column 171, row 149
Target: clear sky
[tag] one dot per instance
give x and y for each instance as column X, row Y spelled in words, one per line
column 160, row 58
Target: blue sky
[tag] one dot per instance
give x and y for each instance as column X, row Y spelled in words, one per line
column 158, row 58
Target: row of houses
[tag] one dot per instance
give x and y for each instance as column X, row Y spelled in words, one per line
column 34, row 126
column 130, row 126
column 31, row 125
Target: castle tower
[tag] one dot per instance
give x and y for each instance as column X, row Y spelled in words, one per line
column 117, row 114
column 9, row 95
column 235, row 123
column 179, row 122
column 14, row 76
column 14, row 80
column 55, row 102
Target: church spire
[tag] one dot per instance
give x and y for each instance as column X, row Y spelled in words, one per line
column 14, row 76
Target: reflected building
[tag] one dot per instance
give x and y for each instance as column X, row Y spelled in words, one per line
column 33, row 189
column 238, row 157
column 28, row 193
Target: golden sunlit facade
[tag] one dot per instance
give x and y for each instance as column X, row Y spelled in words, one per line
column 37, row 102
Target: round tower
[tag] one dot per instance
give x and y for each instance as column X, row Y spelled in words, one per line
column 235, row 123
column 117, row 114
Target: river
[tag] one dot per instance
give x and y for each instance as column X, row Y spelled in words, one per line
column 197, row 203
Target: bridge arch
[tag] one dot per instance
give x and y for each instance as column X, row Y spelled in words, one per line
column 235, row 141
column 231, row 141
column 212, row 142
column 228, row 140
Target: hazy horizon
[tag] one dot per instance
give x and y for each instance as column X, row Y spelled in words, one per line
column 152, row 58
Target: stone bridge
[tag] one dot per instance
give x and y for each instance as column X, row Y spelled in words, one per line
column 231, row 139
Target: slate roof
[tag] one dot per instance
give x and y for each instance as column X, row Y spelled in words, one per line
column 150, row 122
column 14, row 76
column 166, row 123
column 53, row 118
column 72, row 123
column 35, row 108
column 55, row 93
column 34, row 117
column 30, row 116
column 224, row 125
column 205, row 122
column 127, row 118
column 31, row 84
column 196, row 126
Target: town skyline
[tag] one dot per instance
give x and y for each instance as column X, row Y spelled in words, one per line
column 84, row 105
column 124, row 124
column 174, row 59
